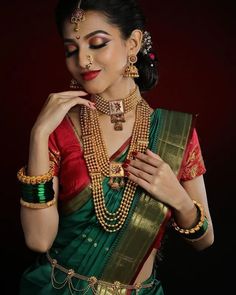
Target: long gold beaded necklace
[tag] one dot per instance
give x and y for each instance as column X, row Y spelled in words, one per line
column 98, row 163
column 114, row 109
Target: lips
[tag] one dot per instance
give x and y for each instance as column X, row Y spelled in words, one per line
column 87, row 76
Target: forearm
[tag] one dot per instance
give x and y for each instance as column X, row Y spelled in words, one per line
column 38, row 162
column 39, row 225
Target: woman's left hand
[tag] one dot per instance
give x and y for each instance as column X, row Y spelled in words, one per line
column 154, row 175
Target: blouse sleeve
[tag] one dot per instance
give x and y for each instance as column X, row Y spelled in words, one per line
column 54, row 153
column 193, row 164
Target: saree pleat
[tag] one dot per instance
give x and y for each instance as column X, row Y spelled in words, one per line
column 81, row 243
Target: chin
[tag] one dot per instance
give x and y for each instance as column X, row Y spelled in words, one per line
column 93, row 88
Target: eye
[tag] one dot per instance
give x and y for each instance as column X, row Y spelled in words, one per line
column 70, row 49
column 98, row 42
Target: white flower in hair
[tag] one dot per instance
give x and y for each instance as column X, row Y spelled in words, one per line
column 146, row 43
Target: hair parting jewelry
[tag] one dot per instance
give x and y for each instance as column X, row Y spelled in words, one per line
column 199, row 229
column 77, row 17
column 99, row 165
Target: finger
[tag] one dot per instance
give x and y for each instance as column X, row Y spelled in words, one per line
column 144, row 166
column 139, row 173
column 73, row 93
column 64, row 96
column 151, row 159
column 81, row 101
column 156, row 156
column 139, row 181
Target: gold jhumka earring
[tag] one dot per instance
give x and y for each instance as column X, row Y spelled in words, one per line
column 131, row 70
column 77, row 17
column 74, row 84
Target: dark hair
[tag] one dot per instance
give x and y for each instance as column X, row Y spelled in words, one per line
column 125, row 14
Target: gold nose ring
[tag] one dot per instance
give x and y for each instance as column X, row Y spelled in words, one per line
column 90, row 59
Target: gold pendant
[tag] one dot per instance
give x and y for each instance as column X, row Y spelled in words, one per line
column 117, row 114
column 116, row 175
column 116, row 107
column 117, row 120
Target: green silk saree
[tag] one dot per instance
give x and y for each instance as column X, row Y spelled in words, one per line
column 81, row 243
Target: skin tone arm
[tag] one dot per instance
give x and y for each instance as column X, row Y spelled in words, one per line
column 40, row 225
column 156, row 177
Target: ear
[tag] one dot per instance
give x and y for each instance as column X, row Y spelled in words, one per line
column 135, row 41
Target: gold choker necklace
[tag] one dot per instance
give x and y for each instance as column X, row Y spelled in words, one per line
column 117, row 108
column 98, row 163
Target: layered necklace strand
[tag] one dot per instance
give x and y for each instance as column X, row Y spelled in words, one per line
column 98, row 163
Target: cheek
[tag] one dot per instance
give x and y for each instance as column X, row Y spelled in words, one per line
column 114, row 59
column 70, row 64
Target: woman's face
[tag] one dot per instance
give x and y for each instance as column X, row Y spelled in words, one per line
column 104, row 43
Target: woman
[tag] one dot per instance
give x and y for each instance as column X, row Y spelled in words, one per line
column 106, row 173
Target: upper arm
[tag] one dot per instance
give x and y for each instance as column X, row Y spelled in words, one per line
column 192, row 173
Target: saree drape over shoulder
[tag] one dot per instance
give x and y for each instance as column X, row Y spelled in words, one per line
column 82, row 245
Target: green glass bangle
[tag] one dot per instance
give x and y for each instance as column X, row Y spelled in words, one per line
column 37, row 193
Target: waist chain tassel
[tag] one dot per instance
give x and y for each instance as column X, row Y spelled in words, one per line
column 93, row 282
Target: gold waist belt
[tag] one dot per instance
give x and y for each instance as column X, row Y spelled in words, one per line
column 95, row 285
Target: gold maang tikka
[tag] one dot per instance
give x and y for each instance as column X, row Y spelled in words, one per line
column 77, row 17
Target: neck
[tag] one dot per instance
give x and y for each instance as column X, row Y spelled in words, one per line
column 119, row 90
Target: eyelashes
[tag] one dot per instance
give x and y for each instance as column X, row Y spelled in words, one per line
column 98, row 46
column 71, row 53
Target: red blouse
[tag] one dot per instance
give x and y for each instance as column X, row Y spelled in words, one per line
column 66, row 152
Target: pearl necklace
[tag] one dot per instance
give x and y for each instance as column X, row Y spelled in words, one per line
column 98, row 163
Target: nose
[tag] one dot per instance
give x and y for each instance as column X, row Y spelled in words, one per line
column 85, row 60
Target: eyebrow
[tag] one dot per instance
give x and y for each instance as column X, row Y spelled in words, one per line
column 89, row 35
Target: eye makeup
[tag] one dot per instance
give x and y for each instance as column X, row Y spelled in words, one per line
column 98, row 42
column 94, row 42
column 70, row 49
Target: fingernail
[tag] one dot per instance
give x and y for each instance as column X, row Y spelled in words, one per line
column 127, row 174
column 92, row 105
column 134, row 154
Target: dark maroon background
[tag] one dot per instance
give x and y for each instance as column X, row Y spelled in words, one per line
column 195, row 41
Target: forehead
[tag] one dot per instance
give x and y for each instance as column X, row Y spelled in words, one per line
column 93, row 21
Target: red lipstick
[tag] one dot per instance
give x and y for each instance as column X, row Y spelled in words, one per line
column 87, row 76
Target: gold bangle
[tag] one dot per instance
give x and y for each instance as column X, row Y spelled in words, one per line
column 197, row 227
column 22, row 177
column 37, row 205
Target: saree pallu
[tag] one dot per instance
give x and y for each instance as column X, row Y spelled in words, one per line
column 82, row 244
